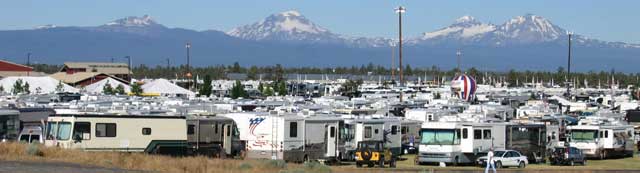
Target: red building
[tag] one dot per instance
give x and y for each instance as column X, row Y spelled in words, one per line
column 12, row 69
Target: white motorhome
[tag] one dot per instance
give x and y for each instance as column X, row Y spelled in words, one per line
column 602, row 141
column 289, row 137
column 464, row 142
column 127, row 133
column 358, row 129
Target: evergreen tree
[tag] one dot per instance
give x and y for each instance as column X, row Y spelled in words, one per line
column 238, row 91
column 107, row 89
column 17, row 87
column 205, row 89
column 136, row 89
column 282, row 88
column 252, row 74
column 260, row 87
column 119, row 90
column 268, row 91
column 59, row 87
column 26, row 87
column 1, row 89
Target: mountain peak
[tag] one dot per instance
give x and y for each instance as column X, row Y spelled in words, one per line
column 291, row 13
column 143, row 21
column 466, row 19
column 288, row 25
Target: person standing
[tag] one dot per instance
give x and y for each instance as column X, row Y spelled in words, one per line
column 490, row 162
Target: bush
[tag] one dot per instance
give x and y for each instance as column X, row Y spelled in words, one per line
column 317, row 167
column 245, row 166
column 34, row 150
column 276, row 164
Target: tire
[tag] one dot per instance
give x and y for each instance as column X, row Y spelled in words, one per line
column 572, row 163
column 381, row 162
column 358, row 165
column 305, row 159
column 584, row 162
column 498, row 165
column 222, row 154
column 456, row 161
column 522, row 165
column 366, row 154
column 392, row 164
column 370, row 164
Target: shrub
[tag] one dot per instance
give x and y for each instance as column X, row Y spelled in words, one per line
column 277, row 164
column 34, row 150
column 245, row 166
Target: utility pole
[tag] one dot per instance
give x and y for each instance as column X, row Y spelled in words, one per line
column 168, row 65
column 393, row 63
column 569, row 67
column 129, row 67
column 188, row 75
column 400, row 10
column 28, row 58
column 458, row 53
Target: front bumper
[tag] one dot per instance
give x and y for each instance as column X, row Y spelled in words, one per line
column 434, row 159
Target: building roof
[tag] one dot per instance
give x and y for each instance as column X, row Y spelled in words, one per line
column 75, row 77
column 20, row 73
column 10, row 66
column 101, row 67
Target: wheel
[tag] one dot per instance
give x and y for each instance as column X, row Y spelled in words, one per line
column 370, row 164
column 521, row 165
column 456, row 161
column 572, row 163
column 243, row 154
column 222, row 154
column 584, row 162
column 305, row 159
column 358, row 164
column 381, row 162
column 498, row 165
column 392, row 164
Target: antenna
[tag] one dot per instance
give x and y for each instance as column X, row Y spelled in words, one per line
column 569, row 66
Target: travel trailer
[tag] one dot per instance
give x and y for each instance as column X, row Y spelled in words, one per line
column 602, row 141
column 464, row 142
column 410, row 131
column 127, row 133
column 290, row 137
column 213, row 136
column 359, row 129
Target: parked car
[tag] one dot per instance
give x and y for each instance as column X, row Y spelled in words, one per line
column 567, row 156
column 506, row 158
column 31, row 134
column 374, row 152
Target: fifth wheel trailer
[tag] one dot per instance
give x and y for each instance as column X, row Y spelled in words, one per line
column 290, row 137
column 213, row 136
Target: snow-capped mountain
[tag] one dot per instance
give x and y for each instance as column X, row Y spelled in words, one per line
column 48, row 26
column 528, row 29
column 465, row 29
column 285, row 26
column 134, row 21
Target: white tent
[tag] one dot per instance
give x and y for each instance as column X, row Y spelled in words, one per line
column 99, row 86
column 43, row 84
column 164, row 87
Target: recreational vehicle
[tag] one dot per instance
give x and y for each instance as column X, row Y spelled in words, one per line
column 410, row 131
column 128, row 133
column 464, row 142
column 602, row 141
column 367, row 128
column 289, row 137
column 213, row 136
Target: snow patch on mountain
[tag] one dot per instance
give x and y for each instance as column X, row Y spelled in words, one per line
column 133, row 21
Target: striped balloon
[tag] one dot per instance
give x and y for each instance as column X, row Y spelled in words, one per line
column 464, row 87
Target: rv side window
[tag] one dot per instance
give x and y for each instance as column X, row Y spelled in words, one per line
column 606, row 134
column 191, row 129
column 403, row 130
column 228, row 131
column 375, row 131
column 146, row 131
column 601, row 134
column 293, row 129
column 105, row 130
column 367, row 132
column 215, row 128
column 394, row 130
column 487, row 134
column 465, row 134
column 333, row 132
column 82, row 130
column 477, row 134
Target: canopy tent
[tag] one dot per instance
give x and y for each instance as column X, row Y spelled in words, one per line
column 37, row 85
column 164, row 87
column 98, row 87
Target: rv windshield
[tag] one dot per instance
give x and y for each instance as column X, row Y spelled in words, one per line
column 583, row 135
column 440, row 137
column 58, row 130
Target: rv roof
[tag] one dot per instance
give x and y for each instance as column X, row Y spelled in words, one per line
column 119, row 116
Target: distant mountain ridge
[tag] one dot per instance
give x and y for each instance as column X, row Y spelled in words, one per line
column 289, row 38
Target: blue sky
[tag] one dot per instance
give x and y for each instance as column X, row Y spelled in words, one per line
column 606, row 20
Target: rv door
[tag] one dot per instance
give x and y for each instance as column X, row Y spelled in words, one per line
column 331, row 141
column 466, row 139
column 227, row 138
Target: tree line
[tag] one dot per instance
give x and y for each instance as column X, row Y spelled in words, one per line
column 277, row 73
